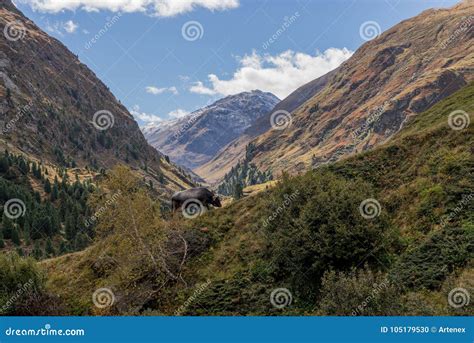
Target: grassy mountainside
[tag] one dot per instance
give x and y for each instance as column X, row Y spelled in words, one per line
column 398, row 74
column 234, row 153
column 54, row 108
column 307, row 234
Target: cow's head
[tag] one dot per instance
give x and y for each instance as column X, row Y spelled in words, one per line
column 216, row 201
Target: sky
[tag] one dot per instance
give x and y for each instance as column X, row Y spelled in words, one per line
column 166, row 58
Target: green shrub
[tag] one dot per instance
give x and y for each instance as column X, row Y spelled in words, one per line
column 359, row 293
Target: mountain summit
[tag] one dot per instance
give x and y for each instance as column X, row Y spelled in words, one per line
column 196, row 138
column 54, row 109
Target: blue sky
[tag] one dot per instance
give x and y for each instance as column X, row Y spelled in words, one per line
column 159, row 72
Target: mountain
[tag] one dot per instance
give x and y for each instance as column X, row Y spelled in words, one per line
column 194, row 139
column 54, row 108
column 371, row 95
column 232, row 153
column 322, row 239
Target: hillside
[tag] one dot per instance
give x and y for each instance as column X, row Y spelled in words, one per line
column 311, row 235
column 228, row 157
column 371, row 96
column 195, row 139
column 53, row 108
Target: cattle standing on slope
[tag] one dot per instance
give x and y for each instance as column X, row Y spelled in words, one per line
column 194, row 201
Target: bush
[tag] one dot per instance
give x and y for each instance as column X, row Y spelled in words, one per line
column 359, row 293
column 439, row 255
column 315, row 225
column 20, row 279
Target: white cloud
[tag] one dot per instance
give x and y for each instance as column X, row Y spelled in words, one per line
column 145, row 117
column 280, row 74
column 59, row 27
column 70, row 26
column 161, row 8
column 178, row 113
column 155, row 90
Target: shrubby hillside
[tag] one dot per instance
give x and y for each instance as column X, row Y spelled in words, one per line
column 386, row 232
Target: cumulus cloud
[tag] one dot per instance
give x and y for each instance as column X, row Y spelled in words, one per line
column 155, row 90
column 280, row 74
column 70, row 26
column 145, row 117
column 178, row 113
column 59, row 27
column 160, row 8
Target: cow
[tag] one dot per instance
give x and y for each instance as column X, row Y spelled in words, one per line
column 200, row 196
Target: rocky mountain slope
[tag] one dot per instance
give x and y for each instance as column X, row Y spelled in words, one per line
column 232, row 153
column 369, row 98
column 399, row 216
column 195, row 139
column 55, row 109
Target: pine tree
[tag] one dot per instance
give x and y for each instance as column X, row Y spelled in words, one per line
column 49, row 249
column 15, row 236
column 238, row 191
column 37, row 252
column 47, row 186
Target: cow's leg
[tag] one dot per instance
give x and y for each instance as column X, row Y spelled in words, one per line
column 174, row 205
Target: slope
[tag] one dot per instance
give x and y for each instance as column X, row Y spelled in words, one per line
column 54, row 108
column 314, row 236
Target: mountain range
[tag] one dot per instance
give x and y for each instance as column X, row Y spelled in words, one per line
column 364, row 101
column 54, row 109
column 193, row 140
